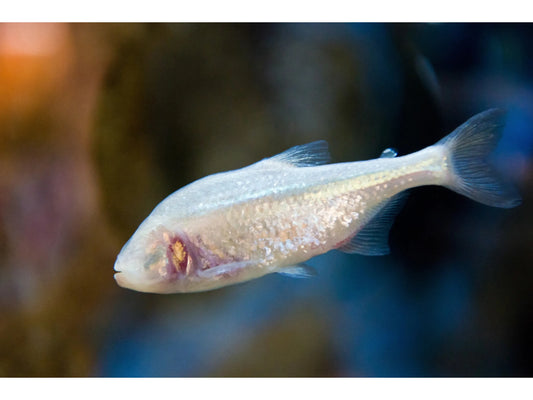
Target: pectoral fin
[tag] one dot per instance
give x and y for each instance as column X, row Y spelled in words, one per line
column 226, row 270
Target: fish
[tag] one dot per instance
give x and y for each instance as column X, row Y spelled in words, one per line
column 273, row 215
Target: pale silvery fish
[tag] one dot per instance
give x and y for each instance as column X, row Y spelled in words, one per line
column 279, row 212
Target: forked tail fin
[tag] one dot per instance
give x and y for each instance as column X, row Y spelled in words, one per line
column 468, row 147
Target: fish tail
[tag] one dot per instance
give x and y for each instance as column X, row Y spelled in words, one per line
column 469, row 174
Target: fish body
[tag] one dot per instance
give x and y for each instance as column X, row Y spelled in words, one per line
column 279, row 212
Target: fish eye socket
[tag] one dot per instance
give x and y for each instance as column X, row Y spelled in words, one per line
column 166, row 256
column 153, row 259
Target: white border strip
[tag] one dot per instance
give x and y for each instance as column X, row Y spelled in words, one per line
column 264, row 11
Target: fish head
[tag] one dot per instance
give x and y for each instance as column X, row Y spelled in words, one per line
column 153, row 260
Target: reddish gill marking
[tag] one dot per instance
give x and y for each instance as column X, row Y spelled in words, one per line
column 177, row 255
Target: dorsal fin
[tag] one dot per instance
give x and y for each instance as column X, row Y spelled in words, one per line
column 305, row 155
column 388, row 153
column 372, row 240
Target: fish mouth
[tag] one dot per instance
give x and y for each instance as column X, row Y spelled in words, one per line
column 126, row 281
column 120, row 278
column 119, row 275
column 116, row 267
column 129, row 281
column 134, row 280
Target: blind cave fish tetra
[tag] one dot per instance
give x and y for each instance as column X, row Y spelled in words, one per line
column 279, row 212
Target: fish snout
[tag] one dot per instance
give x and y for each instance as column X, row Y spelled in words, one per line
column 121, row 276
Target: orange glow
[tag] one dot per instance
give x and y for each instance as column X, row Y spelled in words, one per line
column 34, row 58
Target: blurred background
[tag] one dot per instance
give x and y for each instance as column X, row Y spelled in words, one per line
column 100, row 122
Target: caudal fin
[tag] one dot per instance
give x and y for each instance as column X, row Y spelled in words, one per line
column 468, row 148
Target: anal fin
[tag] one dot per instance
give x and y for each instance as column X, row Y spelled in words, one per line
column 372, row 240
